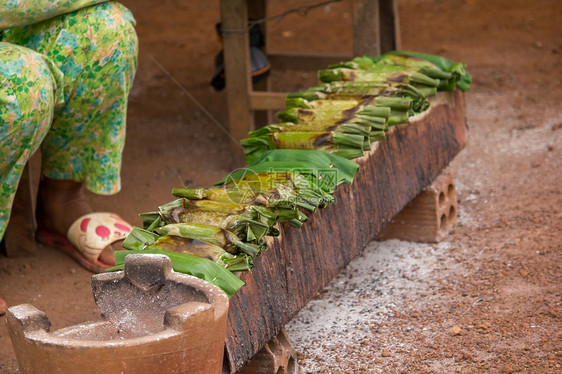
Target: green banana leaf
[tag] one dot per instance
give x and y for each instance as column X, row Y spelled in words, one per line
column 464, row 78
column 346, row 169
column 201, row 268
column 300, row 161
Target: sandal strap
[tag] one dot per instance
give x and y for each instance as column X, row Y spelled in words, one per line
column 91, row 233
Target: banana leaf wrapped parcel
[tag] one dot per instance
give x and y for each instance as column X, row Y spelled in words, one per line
column 293, row 167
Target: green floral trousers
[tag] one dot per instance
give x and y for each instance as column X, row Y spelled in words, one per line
column 64, row 84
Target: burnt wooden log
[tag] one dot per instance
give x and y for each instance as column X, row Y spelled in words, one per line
column 300, row 262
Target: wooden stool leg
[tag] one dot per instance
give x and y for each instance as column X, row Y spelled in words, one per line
column 376, row 28
column 428, row 218
column 277, row 356
column 257, row 10
column 19, row 238
column 234, row 16
column 389, row 27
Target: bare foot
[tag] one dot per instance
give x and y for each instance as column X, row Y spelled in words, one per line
column 59, row 204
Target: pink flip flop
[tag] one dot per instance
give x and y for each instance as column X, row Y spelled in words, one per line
column 87, row 237
column 3, row 307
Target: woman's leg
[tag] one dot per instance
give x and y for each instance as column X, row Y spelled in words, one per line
column 96, row 49
column 29, row 90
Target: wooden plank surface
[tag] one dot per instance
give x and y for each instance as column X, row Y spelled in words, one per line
column 302, row 261
column 300, row 61
column 268, row 100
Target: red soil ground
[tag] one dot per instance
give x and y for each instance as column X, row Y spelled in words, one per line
column 487, row 299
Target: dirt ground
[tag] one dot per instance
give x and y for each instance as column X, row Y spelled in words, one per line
column 486, row 299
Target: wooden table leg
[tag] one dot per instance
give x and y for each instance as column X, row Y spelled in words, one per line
column 375, row 27
column 234, row 18
column 389, row 26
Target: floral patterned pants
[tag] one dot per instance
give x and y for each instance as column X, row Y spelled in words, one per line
column 64, row 84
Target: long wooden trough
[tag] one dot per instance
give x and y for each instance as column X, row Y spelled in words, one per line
column 300, row 262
